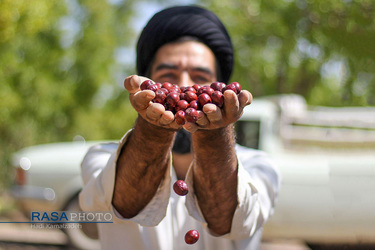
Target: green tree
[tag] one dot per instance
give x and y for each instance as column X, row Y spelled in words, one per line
column 56, row 59
column 323, row 50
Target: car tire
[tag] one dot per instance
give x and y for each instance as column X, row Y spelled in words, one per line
column 81, row 235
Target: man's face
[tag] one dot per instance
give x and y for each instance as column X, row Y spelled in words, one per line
column 184, row 63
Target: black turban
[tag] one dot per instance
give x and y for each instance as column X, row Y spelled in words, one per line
column 175, row 22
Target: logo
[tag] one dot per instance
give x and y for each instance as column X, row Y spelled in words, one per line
column 70, row 217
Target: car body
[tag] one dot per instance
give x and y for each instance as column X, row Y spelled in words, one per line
column 51, row 174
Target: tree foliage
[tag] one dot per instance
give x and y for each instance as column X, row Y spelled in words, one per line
column 58, row 72
column 323, row 50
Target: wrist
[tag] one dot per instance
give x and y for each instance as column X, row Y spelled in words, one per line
column 226, row 133
column 216, row 143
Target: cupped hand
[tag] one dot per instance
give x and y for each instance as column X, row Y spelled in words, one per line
column 141, row 101
column 213, row 117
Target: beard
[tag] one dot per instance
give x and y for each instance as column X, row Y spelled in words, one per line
column 182, row 142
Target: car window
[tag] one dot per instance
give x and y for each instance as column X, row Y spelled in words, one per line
column 248, row 133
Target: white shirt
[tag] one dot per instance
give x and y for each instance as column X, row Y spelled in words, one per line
column 163, row 223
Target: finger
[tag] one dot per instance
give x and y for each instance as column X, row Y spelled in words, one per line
column 154, row 111
column 190, row 127
column 141, row 99
column 202, row 119
column 127, row 83
column 245, row 98
column 131, row 84
column 166, row 118
column 231, row 104
column 213, row 113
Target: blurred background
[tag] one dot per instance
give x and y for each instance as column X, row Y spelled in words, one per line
column 62, row 64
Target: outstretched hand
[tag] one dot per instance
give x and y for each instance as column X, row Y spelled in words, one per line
column 141, row 101
column 213, row 117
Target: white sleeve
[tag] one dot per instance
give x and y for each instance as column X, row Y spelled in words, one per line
column 98, row 171
column 257, row 188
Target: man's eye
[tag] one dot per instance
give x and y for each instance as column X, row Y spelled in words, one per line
column 200, row 79
column 168, row 77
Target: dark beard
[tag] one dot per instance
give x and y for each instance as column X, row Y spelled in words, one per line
column 182, row 142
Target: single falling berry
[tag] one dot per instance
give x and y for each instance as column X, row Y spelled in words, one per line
column 181, row 188
column 191, row 237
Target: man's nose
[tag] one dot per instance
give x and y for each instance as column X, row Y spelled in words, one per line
column 185, row 79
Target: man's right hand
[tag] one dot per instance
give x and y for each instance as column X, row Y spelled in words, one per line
column 141, row 101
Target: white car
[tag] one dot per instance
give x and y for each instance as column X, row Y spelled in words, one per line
column 327, row 193
column 326, row 158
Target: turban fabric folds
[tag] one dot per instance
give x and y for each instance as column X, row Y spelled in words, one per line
column 175, row 22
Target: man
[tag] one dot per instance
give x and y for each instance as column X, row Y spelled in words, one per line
column 232, row 189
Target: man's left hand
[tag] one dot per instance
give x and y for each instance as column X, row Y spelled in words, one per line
column 213, row 117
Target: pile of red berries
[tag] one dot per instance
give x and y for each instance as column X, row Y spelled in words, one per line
column 185, row 101
column 181, row 188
